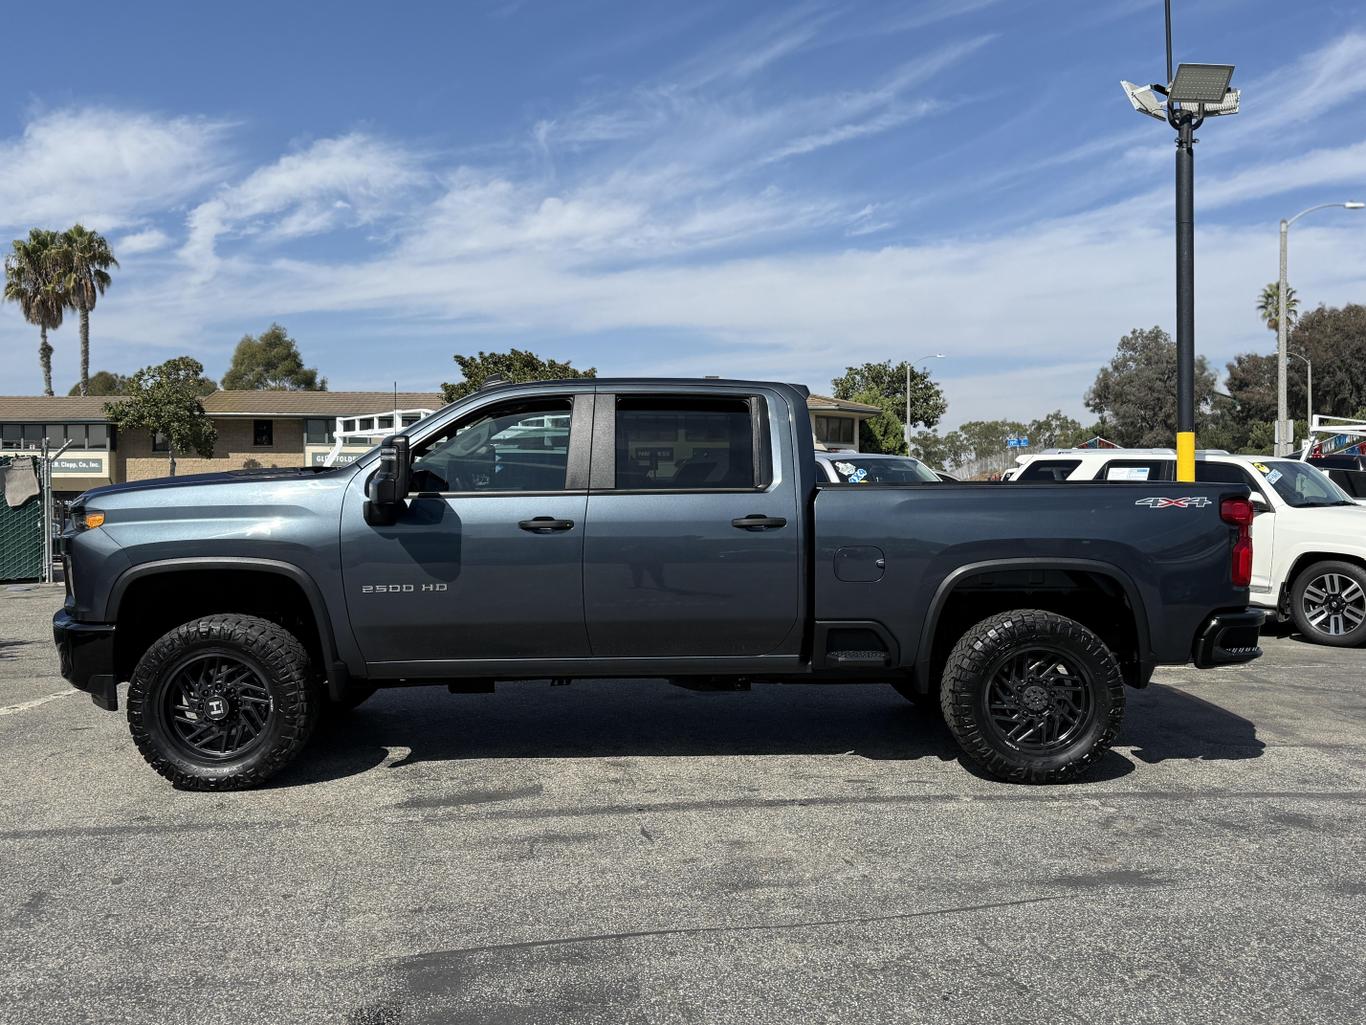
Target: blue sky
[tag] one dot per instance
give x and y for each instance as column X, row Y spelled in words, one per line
column 771, row 190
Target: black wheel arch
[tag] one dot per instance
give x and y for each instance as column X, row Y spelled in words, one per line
column 930, row 642
column 321, row 622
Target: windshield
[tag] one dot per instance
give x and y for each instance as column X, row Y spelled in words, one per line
column 894, row 470
column 1301, row 485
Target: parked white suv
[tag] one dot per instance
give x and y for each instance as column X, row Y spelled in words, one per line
column 1308, row 537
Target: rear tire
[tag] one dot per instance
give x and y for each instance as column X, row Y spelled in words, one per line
column 223, row 702
column 1032, row 697
column 1328, row 604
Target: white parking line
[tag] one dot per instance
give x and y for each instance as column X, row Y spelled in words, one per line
column 24, row 706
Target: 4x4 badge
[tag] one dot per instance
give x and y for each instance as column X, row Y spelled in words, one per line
column 1193, row 502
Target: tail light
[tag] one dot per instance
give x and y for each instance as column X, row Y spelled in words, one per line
column 1238, row 512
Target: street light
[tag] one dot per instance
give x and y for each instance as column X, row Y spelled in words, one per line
column 906, row 429
column 1308, row 390
column 1193, row 93
column 1282, row 407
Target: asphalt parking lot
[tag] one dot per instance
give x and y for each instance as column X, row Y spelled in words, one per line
column 633, row 852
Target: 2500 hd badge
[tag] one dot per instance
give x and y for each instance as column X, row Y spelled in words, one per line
column 399, row 588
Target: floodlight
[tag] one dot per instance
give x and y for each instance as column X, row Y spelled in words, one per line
column 1200, row 83
column 1354, row 206
column 1228, row 106
column 1144, row 100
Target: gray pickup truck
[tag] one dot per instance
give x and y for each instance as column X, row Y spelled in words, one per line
column 673, row 529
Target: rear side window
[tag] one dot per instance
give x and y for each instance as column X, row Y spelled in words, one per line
column 1136, row 469
column 1049, row 470
column 684, row 444
column 1222, row 473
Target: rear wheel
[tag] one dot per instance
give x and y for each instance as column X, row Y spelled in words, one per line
column 1032, row 697
column 223, row 702
column 1328, row 604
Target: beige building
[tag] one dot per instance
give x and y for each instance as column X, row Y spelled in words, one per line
column 258, row 429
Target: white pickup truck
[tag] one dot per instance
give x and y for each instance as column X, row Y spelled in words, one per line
column 1308, row 537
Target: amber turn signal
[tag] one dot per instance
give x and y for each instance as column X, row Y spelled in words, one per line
column 93, row 519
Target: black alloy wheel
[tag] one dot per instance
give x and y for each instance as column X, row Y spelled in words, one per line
column 218, row 705
column 1038, row 700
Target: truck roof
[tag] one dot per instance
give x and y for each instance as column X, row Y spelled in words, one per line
column 671, row 383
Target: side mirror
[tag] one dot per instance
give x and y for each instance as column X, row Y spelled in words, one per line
column 387, row 491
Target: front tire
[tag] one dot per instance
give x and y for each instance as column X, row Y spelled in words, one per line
column 1328, row 604
column 1032, row 697
column 223, row 702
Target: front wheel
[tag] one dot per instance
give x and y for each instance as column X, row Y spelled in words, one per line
column 223, row 702
column 1328, row 604
column 1032, row 697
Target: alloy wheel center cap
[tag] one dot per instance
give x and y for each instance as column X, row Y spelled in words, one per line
column 1035, row 697
column 216, row 708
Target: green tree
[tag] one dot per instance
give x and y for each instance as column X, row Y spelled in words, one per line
column 84, row 259
column 515, row 365
column 33, row 281
column 102, row 382
column 164, row 400
column 1269, row 304
column 1055, row 430
column 884, row 385
column 271, row 360
column 1135, row 395
column 1335, row 339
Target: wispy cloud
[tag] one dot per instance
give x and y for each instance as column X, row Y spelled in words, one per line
column 106, row 167
column 344, row 181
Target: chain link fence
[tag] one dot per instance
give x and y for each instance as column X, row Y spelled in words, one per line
column 21, row 533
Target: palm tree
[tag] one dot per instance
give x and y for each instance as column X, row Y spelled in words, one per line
column 32, row 281
column 85, row 259
column 1269, row 305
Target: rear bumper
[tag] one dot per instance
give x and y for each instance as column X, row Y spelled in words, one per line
column 86, row 651
column 1228, row 638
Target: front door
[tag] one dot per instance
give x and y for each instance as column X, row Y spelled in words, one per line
column 694, row 540
column 486, row 562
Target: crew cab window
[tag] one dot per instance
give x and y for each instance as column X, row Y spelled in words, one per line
column 1049, row 470
column 684, row 444
column 1136, row 469
column 521, row 446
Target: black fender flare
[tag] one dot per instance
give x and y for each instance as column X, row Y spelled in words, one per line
column 1106, row 569
column 336, row 671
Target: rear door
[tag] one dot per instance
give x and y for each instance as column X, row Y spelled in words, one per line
column 693, row 540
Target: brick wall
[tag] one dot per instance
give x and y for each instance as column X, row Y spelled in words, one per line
column 135, row 460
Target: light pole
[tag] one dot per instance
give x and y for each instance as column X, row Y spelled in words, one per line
column 906, row 428
column 1195, row 92
column 1308, row 390
column 1282, row 408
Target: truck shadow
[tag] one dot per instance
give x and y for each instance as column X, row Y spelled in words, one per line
column 614, row 719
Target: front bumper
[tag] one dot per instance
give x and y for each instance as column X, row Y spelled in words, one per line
column 1228, row 638
column 86, row 651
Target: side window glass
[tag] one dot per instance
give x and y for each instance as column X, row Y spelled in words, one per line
column 520, row 446
column 1049, row 470
column 1222, row 473
column 683, row 444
